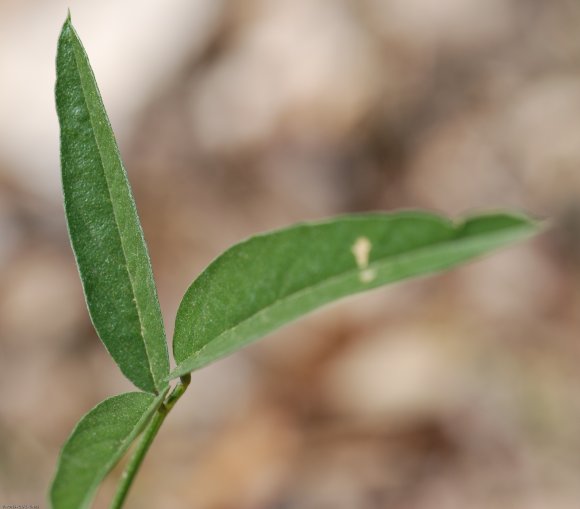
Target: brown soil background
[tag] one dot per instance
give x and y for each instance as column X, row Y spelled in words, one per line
column 454, row 391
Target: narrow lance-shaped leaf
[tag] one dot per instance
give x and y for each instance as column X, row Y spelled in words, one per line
column 271, row 279
column 96, row 444
column 103, row 225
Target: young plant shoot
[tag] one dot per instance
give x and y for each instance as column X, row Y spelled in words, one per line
column 250, row 290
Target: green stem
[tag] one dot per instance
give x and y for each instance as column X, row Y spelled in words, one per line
column 128, row 475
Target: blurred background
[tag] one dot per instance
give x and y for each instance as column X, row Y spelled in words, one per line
column 233, row 117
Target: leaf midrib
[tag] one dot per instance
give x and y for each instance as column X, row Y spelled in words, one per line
column 122, row 445
column 389, row 259
column 125, row 264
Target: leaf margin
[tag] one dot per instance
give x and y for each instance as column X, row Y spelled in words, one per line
column 529, row 227
column 85, row 502
column 151, row 333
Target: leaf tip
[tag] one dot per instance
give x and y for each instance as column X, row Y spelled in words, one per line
column 67, row 26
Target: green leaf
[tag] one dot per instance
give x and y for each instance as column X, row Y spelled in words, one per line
column 103, row 225
column 96, row 444
column 271, row 279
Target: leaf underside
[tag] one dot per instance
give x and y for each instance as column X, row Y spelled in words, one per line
column 96, row 444
column 103, row 225
column 272, row 279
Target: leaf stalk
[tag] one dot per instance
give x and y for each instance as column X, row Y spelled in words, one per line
column 149, row 434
